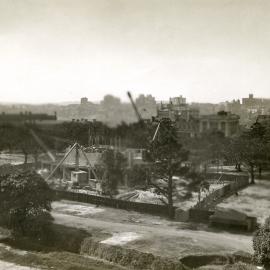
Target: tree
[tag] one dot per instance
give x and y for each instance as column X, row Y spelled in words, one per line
column 25, row 202
column 207, row 148
column 261, row 244
column 247, row 150
column 7, row 136
column 111, row 169
column 19, row 138
column 250, row 149
column 137, row 176
column 166, row 155
column 260, row 133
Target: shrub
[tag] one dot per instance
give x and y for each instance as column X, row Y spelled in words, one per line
column 25, row 203
column 261, row 244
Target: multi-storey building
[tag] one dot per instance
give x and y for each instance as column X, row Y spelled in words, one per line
column 256, row 105
column 186, row 118
column 225, row 122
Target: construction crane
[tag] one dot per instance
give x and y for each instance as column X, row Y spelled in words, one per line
column 77, row 147
column 135, row 108
column 140, row 117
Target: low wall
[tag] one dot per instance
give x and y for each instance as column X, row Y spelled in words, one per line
column 154, row 209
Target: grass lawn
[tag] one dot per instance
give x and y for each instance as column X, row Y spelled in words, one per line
column 14, row 258
column 253, row 200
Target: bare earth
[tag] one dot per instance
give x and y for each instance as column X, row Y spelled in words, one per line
column 148, row 233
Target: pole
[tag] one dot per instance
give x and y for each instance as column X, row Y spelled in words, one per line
column 61, row 162
column 77, row 155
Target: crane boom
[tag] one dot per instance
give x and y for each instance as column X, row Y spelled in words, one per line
column 135, row 107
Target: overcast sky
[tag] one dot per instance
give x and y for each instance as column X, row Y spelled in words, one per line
column 61, row 50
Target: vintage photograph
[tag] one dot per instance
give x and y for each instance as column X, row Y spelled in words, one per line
column 134, row 135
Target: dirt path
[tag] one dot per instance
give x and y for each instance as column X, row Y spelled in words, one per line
column 161, row 239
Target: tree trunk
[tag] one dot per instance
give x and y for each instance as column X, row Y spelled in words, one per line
column 252, row 174
column 205, row 168
column 25, row 157
column 170, row 198
column 238, row 167
column 260, row 171
column 36, row 159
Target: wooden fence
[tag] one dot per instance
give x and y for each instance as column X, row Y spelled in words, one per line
column 154, row 209
column 233, row 184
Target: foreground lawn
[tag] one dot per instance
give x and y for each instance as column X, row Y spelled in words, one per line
column 21, row 260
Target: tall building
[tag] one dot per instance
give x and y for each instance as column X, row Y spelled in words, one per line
column 186, row 118
column 256, row 105
column 84, row 101
column 147, row 106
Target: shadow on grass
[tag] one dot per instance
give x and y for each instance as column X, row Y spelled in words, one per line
column 194, row 226
column 60, row 238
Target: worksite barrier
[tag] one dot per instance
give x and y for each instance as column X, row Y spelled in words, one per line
column 154, row 209
column 227, row 176
column 231, row 186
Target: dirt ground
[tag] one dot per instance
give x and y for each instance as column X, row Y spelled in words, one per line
column 253, row 200
column 149, row 233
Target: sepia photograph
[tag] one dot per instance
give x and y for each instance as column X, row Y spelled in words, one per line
column 134, row 135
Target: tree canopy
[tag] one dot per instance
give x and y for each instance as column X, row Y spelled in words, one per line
column 111, row 170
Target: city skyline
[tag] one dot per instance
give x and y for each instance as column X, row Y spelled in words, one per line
column 209, row 51
column 65, row 102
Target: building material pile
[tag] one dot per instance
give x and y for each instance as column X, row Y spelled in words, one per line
column 142, row 197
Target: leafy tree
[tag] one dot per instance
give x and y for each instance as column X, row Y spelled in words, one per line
column 25, row 202
column 260, row 133
column 112, row 170
column 19, row 138
column 247, row 150
column 250, row 149
column 166, row 155
column 7, row 136
column 261, row 244
column 210, row 146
